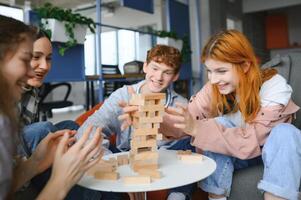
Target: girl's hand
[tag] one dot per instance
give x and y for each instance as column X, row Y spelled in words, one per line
column 180, row 118
column 43, row 156
column 70, row 163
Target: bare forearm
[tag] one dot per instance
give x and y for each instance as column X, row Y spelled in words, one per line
column 24, row 171
column 54, row 189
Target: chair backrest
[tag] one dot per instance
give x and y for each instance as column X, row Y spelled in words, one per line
column 289, row 66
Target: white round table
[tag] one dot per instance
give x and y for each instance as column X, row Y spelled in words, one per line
column 174, row 173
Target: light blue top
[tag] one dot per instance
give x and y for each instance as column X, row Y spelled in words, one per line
column 107, row 116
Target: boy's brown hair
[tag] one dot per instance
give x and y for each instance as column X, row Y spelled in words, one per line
column 168, row 55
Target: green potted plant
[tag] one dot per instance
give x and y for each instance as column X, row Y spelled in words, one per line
column 62, row 25
column 172, row 39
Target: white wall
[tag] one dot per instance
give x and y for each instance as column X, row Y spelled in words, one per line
column 260, row 5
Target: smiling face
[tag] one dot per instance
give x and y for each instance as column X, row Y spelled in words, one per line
column 223, row 75
column 158, row 77
column 17, row 69
column 41, row 61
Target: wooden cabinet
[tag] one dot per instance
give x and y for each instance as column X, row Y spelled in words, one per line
column 276, row 31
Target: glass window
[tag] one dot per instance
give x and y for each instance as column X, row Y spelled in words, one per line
column 126, row 47
column 117, row 48
column 109, row 48
column 143, row 44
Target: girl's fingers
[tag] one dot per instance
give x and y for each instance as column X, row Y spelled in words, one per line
column 95, row 160
column 181, row 105
column 173, row 111
column 94, row 143
column 62, row 145
column 93, row 154
column 180, row 126
column 81, row 142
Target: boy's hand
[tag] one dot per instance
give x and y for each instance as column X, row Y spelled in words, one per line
column 126, row 117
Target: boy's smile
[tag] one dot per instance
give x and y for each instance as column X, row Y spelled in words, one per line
column 158, row 77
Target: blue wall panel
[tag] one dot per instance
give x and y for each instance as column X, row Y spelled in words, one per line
column 70, row 67
column 179, row 23
column 142, row 5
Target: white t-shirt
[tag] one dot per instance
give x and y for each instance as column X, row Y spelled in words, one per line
column 274, row 91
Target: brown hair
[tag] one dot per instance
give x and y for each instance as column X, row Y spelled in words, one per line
column 233, row 47
column 12, row 33
column 168, row 55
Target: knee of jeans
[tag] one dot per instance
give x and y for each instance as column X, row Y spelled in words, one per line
column 285, row 133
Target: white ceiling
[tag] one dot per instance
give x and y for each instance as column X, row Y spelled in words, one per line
column 60, row 3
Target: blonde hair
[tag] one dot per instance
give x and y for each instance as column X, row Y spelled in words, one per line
column 231, row 46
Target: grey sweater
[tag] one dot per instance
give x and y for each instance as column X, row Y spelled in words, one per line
column 107, row 116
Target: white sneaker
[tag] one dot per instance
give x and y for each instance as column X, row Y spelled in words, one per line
column 176, row 196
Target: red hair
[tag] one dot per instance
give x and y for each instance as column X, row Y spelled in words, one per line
column 231, row 46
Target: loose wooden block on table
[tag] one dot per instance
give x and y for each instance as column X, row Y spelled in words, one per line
column 106, row 175
column 132, row 180
column 194, row 158
column 122, row 160
column 152, row 173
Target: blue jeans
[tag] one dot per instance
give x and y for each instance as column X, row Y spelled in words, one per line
column 281, row 157
column 35, row 132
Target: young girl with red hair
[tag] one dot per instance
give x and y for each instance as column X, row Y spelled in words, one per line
column 242, row 117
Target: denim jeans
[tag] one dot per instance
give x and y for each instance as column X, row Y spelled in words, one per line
column 281, row 157
column 35, row 132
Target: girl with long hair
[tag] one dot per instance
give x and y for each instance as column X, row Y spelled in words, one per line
column 242, row 117
column 69, row 163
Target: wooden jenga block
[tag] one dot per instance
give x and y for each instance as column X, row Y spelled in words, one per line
column 150, row 102
column 106, row 175
column 155, row 125
column 151, row 165
column 148, row 143
column 137, row 99
column 159, row 136
column 182, row 152
column 101, row 168
column 150, row 108
column 154, row 96
column 136, row 150
column 194, row 158
column 139, row 114
column 146, row 156
column 158, row 119
column 122, row 160
column 113, row 161
column 152, row 173
column 133, row 180
column 145, row 131
column 138, row 125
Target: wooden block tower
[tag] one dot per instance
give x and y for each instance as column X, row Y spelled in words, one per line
column 146, row 122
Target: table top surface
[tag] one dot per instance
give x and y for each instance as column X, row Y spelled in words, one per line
column 174, row 173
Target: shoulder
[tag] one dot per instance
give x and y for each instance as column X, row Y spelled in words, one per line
column 275, row 91
column 176, row 97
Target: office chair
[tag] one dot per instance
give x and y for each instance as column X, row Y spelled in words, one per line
column 45, row 107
